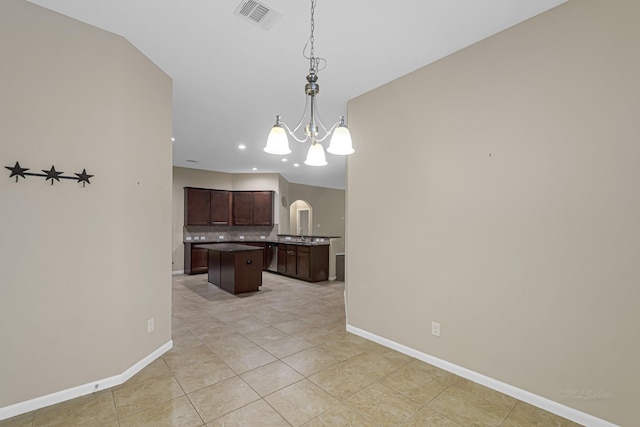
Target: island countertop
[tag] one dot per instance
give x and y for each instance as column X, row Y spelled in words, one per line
column 228, row 247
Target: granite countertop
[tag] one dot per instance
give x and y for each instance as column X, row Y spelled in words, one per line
column 271, row 241
column 311, row 236
column 228, row 247
column 302, row 243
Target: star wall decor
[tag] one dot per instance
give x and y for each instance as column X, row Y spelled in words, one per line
column 51, row 174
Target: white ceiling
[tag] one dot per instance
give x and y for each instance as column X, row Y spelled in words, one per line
column 230, row 77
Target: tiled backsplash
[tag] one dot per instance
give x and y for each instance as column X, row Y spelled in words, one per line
column 222, row 233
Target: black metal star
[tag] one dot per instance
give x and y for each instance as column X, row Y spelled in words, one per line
column 83, row 177
column 52, row 174
column 17, row 171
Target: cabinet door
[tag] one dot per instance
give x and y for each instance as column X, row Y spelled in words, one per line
column 319, row 270
column 220, row 207
column 303, row 265
column 263, row 208
column 199, row 260
column 197, row 206
column 282, row 259
column 291, row 260
column 242, row 208
column 264, row 264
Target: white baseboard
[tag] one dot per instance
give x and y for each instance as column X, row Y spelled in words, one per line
column 177, row 272
column 523, row 395
column 81, row 390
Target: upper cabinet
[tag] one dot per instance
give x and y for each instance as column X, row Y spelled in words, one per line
column 263, row 208
column 197, row 206
column 242, row 208
column 204, row 206
column 252, row 207
column 220, row 207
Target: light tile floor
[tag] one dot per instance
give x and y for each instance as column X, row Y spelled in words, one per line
column 282, row 357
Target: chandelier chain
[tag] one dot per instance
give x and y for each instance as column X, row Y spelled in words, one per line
column 314, row 63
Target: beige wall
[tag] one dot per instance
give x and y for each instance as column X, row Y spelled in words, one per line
column 81, row 269
column 506, row 176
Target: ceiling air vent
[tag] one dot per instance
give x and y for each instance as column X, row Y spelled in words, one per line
column 257, row 13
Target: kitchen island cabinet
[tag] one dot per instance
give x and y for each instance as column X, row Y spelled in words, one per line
column 233, row 267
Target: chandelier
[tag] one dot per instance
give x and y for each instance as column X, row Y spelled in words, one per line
column 314, row 130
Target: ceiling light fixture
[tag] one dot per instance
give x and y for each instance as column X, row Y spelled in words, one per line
column 278, row 143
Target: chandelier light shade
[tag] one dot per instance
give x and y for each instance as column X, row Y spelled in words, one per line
column 314, row 131
column 277, row 142
column 341, row 141
column 315, row 155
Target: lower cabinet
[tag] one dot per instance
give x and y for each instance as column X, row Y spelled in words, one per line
column 195, row 260
column 282, row 259
column 309, row 263
column 265, row 253
column 304, row 262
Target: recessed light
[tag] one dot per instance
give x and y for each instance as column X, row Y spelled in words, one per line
column 285, row 160
column 254, row 169
column 173, row 139
column 295, row 165
column 192, row 161
column 242, row 146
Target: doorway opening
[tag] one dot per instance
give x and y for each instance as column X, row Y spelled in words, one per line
column 301, row 218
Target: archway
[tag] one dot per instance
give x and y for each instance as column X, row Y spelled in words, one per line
column 301, row 218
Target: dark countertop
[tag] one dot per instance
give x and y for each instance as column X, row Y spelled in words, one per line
column 311, row 236
column 271, row 241
column 302, row 243
column 228, row 247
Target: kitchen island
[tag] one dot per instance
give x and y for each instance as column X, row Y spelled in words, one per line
column 233, row 267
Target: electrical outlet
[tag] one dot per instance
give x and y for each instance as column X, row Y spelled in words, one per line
column 150, row 325
column 262, row 237
column 188, row 238
column 435, row 329
column 221, row 237
column 241, row 237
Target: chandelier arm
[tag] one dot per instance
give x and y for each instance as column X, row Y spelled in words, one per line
column 328, row 132
column 293, row 135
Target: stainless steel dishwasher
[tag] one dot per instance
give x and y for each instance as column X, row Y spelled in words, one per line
column 272, row 257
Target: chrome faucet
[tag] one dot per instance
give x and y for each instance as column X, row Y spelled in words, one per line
column 301, row 233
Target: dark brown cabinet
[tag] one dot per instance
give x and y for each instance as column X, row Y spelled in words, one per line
column 235, row 268
column 252, row 207
column 203, row 206
column 220, row 207
column 265, row 253
column 282, row 259
column 242, row 208
column 292, row 260
column 195, row 260
column 304, row 262
column 197, row 206
column 263, row 208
